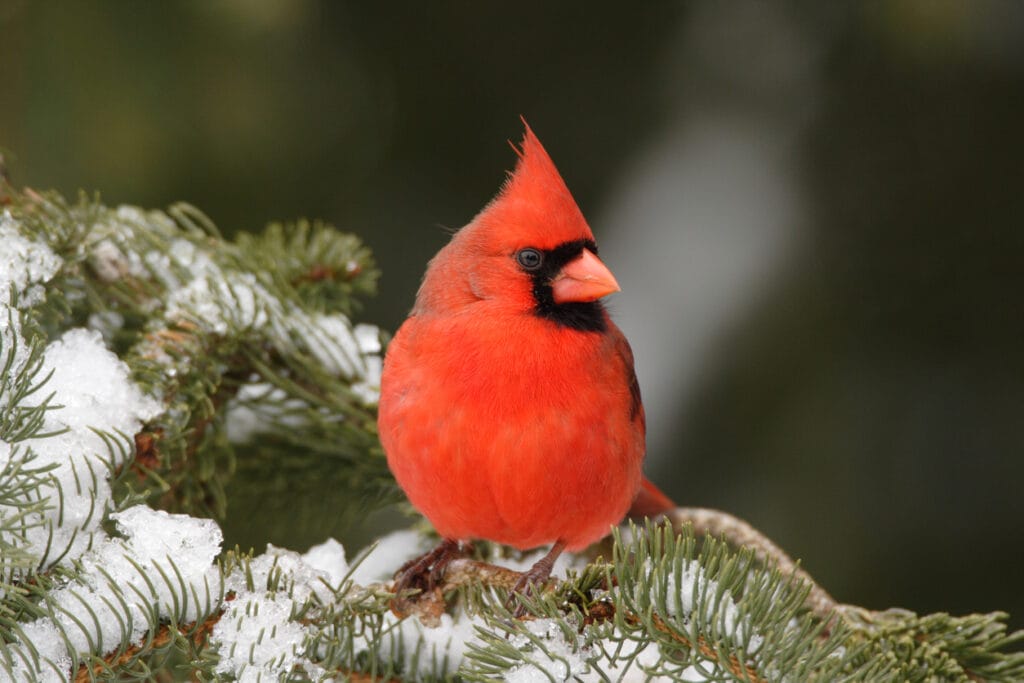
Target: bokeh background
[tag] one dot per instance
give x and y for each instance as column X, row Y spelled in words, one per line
column 815, row 211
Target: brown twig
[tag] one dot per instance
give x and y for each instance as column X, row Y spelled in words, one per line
column 199, row 634
column 360, row 677
column 738, row 669
column 464, row 572
column 321, row 271
column 430, row 605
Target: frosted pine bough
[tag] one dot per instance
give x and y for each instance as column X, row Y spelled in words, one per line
column 208, row 346
column 114, row 598
column 68, row 414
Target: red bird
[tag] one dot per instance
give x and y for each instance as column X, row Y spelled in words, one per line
column 509, row 408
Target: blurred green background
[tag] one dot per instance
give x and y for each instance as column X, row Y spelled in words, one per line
column 814, row 210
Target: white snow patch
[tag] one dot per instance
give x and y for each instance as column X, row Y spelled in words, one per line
column 256, row 637
column 680, row 590
column 109, row 602
column 111, row 263
column 352, row 352
column 447, row 644
column 26, row 264
column 560, row 658
column 91, row 391
column 329, row 559
column 155, row 535
column 220, row 300
column 368, row 338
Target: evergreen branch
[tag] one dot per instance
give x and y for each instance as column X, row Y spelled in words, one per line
column 22, row 509
column 740, row 534
column 109, row 606
column 188, row 310
column 944, row 643
column 701, row 612
column 939, row 645
column 120, row 661
column 706, row 649
column 249, row 349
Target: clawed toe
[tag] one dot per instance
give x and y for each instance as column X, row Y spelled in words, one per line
column 532, row 581
column 422, row 575
column 526, row 587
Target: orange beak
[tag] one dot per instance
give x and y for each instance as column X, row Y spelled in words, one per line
column 583, row 279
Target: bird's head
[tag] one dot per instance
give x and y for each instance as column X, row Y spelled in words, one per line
column 529, row 249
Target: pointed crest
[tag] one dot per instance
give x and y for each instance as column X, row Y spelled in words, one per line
column 534, row 206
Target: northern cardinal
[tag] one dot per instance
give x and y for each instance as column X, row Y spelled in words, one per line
column 509, row 408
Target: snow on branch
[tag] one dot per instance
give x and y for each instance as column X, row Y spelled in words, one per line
column 145, row 359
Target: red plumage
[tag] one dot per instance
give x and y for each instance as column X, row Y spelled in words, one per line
column 509, row 408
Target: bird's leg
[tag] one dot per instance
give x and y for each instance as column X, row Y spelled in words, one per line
column 534, row 577
column 426, row 571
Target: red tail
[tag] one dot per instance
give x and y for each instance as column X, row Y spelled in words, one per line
column 650, row 502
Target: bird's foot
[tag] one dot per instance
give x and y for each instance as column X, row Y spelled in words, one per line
column 532, row 580
column 419, row 578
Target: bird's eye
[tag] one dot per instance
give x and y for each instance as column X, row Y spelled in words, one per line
column 529, row 258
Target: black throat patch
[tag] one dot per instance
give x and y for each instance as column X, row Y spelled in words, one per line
column 585, row 316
